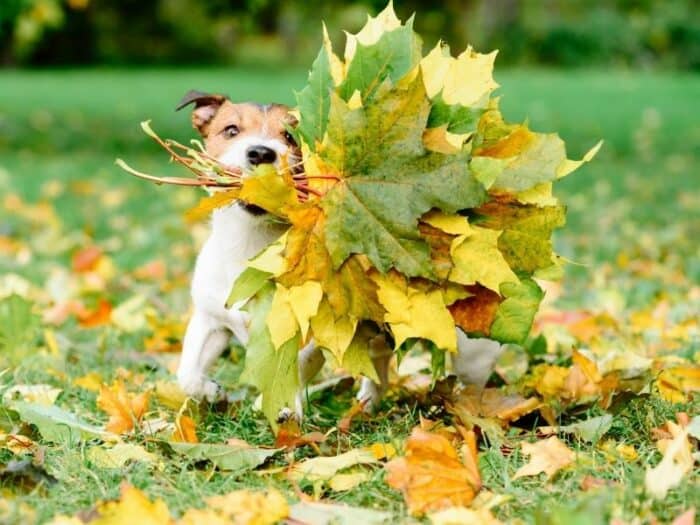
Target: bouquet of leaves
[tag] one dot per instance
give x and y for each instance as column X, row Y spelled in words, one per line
column 418, row 210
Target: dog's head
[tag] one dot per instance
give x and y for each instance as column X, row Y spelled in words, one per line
column 243, row 135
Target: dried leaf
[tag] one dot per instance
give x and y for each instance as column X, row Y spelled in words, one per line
column 125, row 410
column 431, row 475
column 548, row 456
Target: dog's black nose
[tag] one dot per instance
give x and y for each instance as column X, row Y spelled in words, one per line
column 261, row 155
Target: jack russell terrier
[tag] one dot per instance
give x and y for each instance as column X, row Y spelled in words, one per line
column 245, row 135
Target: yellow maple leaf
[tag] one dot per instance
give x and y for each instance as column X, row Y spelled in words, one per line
column 477, row 259
column 209, row 203
column 548, row 456
column 334, row 334
column 412, row 312
column 125, row 410
column 372, row 31
column 466, row 80
column 133, row 504
column 241, row 507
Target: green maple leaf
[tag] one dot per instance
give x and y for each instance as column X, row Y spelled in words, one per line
column 515, row 314
column 526, row 242
column 273, row 372
column 395, row 54
column 390, row 180
column 314, row 100
column 459, row 119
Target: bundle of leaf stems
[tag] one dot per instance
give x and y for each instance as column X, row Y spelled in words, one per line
column 210, row 173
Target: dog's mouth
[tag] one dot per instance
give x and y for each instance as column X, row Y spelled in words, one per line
column 253, row 209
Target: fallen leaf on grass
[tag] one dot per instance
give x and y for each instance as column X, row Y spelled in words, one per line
column 17, row 443
column 241, row 507
column 310, row 513
column 225, row 457
column 86, row 259
column 91, row 381
column 462, row 515
column 590, row 430
column 57, row 425
column 431, row 475
column 185, row 430
column 548, row 456
column 125, row 410
column 40, row 394
column 492, row 402
column 677, row 461
column 347, row 481
column 324, row 468
column 677, row 383
column 101, row 315
column 119, row 455
column 132, row 504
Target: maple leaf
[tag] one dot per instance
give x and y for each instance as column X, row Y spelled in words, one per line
column 431, row 475
column 125, row 410
column 389, row 180
column 548, row 456
column 132, row 503
column 185, row 430
column 240, row 507
column 425, row 210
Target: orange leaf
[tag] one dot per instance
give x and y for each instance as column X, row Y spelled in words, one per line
column 208, row 204
column 185, row 431
column 476, row 313
column 86, row 259
column 99, row 316
column 431, row 475
column 125, row 410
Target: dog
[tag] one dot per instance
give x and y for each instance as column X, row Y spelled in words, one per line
column 245, row 135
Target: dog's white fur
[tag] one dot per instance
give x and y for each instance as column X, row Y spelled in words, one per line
column 236, row 236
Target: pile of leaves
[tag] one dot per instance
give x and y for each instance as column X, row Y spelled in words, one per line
column 428, row 211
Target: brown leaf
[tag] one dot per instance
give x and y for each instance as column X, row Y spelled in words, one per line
column 431, row 476
column 548, row 456
column 476, row 313
column 125, row 410
column 491, row 403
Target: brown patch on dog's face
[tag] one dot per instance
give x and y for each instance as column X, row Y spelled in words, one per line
column 243, row 134
column 245, row 121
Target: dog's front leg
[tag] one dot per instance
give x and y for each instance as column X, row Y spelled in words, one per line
column 205, row 340
column 311, row 361
column 475, row 359
column 371, row 393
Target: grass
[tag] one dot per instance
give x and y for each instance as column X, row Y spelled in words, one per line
column 61, row 130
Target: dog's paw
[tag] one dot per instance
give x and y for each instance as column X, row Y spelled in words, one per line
column 202, row 388
column 369, row 395
column 287, row 414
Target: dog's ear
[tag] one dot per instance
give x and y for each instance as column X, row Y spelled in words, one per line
column 205, row 107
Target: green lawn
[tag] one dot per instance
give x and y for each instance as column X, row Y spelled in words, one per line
column 633, row 226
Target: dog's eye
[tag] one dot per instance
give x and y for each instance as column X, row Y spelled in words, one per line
column 289, row 138
column 231, row 131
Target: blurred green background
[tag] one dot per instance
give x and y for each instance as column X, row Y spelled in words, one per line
column 81, row 74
